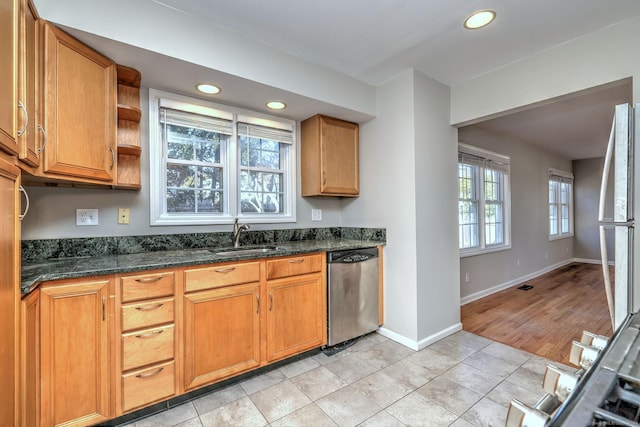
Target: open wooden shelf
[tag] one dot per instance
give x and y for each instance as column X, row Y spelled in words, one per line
column 128, row 112
column 129, row 150
column 129, row 115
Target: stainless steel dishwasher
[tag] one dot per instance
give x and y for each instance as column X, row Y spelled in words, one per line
column 352, row 282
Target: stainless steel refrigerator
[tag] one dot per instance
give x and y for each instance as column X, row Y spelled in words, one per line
column 623, row 295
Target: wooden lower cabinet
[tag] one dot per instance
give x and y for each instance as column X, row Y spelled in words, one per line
column 147, row 344
column 75, row 363
column 296, row 316
column 94, row 350
column 221, row 333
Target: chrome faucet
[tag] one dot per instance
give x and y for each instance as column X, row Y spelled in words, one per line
column 237, row 229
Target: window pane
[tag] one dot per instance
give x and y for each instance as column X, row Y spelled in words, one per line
column 466, row 181
column 181, row 176
column 468, row 224
column 553, row 219
column 180, row 201
column 259, row 153
column 209, row 151
column 261, row 192
column 210, row 177
column 209, row 201
column 494, row 224
column 492, row 185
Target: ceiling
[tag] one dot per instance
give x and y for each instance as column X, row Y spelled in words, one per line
column 375, row 40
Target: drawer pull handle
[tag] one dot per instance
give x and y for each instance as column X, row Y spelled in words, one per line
column 296, row 261
column 149, row 307
column 150, row 334
column 150, row 279
column 150, row 374
column 224, row 270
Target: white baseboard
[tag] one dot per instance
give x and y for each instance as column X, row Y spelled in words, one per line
column 419, row 345
column 592, row 261
column 514, row 282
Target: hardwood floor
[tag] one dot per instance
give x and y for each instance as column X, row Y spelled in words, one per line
column 547, row 318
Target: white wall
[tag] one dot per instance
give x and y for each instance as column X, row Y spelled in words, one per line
column 436, row 159
column 408, row 158
column 531, row 251
column 601, row 57
column 387, row 185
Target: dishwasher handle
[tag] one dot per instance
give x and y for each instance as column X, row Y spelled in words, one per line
column 352, row 256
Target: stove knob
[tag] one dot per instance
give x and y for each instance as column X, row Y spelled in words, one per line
column 559, row 382
column 594, row 340
column 583, row 355
column 521, row 415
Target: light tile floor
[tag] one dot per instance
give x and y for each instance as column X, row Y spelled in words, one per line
column 463, row 380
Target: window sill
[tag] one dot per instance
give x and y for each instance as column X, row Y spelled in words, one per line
column 562, row 236
column 484, row 251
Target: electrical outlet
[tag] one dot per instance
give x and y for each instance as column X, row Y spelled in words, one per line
column 123, row 215
column 466, row 277
column 86, row 216
column 316, row 214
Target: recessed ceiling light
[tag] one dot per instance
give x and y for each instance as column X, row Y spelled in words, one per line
column 480, row 19
column 208, row 88
column 276, row 105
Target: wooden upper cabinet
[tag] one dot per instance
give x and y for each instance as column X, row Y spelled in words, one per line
column 80, row 109
column 11, row 118
column 330, row 157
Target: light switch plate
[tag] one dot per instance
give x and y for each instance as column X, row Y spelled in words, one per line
column 316, row 214
column 86, row 216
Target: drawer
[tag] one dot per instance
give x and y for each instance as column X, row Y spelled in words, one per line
column 146, row 286
column 221, row 275
column 147, row 346
column 148, row 313
column 140, row 388
column 293, row 266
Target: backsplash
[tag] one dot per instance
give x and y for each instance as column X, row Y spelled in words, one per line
column 100, row 246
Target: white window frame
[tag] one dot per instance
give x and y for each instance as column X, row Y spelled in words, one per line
column 485, row 159
column 157, row 167
column 562, row 178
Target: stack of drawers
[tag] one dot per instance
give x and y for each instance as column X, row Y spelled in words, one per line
column 148, row 339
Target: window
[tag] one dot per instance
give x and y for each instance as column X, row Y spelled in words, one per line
column 483, row 201
column 560, row 204
column 212, row 163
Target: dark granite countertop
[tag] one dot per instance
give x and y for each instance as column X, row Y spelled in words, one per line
column 36, row 271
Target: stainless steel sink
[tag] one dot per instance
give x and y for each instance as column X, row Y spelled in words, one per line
column 247, row 250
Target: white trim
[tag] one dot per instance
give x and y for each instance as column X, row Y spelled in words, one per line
column 423, row 343
column 157, row 217
column 514, row 282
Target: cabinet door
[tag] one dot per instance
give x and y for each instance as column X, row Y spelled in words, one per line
column 296, row 315
column 339, row 154
column 9, row 50
column 221, row 333
column 30, row 359
column 9, row 291
column 75, row 353
column 29, row 82
column 80, row 109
